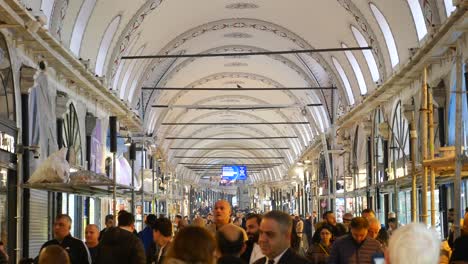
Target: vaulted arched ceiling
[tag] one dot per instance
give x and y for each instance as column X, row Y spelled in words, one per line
column 105, row 30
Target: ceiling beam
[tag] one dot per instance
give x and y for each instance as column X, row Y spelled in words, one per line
column 246, row 164
column 234, row 107
column 234, row 123
column 226, row 89
column 214, row 157
column 250, row 53
column 229, row 148
column 230, row 138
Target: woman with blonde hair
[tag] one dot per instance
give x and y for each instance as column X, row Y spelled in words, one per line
column 194, row 245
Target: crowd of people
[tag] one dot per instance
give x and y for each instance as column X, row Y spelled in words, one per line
column 272, row 238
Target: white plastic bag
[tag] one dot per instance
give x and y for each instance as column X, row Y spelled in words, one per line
column 54, row 169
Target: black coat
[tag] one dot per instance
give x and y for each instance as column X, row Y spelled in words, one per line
column 460, row 249
column 248, row 251
column 119, row 246
column 77, row 250
column 289, row 257
column 230, row 260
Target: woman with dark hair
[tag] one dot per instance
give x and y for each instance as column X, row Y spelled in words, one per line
column 192, row 244
column 319, row 252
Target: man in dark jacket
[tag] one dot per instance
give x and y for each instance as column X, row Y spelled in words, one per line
column 275, row 240
column 162, row 235
column 356, row 247
column 109, row 222
column 77, row 250
column 119, row 245
column 231, row 244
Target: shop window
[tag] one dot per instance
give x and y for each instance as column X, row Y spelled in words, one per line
column 3, row 205
column 399, row 144
column 387, row 33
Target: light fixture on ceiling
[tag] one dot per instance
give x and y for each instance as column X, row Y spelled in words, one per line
column 307, row 161
column 128, row 142
column 304, row 111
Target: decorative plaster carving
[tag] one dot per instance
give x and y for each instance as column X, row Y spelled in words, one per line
column 128, row 32
column 242, row 6
column 236, row 64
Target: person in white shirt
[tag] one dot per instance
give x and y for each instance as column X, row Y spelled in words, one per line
column 253, row 251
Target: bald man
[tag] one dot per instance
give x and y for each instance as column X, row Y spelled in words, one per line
column 54, row 254
column 231, row 241
column 221, row 216
column 92, row 240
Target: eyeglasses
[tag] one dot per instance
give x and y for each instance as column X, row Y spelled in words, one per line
column 346, row 220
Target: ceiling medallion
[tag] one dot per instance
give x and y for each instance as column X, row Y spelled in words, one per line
column 242, row 6
column 236, row 64
column 237, row 35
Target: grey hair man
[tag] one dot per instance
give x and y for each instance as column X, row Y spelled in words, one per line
column 76, row 249
column 415, row 244
column 275, row 240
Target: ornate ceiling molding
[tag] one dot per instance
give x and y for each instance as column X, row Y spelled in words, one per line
column 242, row 5
column 237, row 35
column 127, row 34
column 239, row 24
column 280, row 58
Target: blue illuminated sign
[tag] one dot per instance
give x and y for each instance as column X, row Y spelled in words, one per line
column 234, row 172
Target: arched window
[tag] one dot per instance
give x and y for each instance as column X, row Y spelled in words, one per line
column 129, row 72
column 387, row 33
column 449, row 7
column 80, row 26
column 7, row 90
column 367, row 54
column 105, row 44
column 357, row 69
column 399, row 144
column 71, row 137
column 418, row 18
column 379, row 148
column 344, row 78
column 47, row 6
column 453, row 107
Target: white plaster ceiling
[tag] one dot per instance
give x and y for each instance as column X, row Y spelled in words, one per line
column 217, row 26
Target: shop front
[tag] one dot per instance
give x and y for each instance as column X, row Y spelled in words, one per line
column 8, row 134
